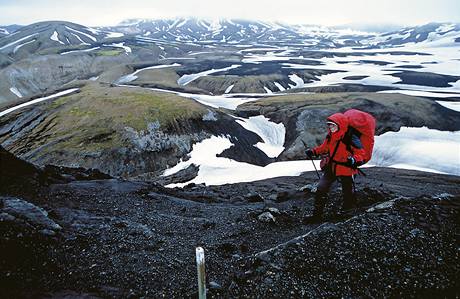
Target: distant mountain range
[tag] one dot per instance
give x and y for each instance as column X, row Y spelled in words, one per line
column 52, row 34
column 34, row 60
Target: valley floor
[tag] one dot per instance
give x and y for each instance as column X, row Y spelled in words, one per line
column 127, row 239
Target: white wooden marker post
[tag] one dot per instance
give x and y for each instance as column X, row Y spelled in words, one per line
column 201, row 273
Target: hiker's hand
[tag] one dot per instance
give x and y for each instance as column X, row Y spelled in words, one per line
column 351, row 162
column 309, row 152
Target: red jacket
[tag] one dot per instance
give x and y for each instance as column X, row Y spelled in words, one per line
column 343, row 151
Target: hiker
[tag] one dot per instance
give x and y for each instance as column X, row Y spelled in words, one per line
column 344, row 154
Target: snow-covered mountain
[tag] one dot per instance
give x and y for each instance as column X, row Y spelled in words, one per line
column 6, row 30
column 58, row 34
column 50, row 34
column 231, row 31
column 434, row 33
column 238, row 31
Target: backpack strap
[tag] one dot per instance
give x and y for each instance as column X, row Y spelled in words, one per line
column 335, row 149
column 348, row 145
column 333, row 154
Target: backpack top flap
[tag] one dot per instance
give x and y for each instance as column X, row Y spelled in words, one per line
column 364, row 123
column 361, row 121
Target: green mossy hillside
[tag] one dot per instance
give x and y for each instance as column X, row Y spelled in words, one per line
column 96, row 118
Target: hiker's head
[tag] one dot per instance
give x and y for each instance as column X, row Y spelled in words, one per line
column 332, row 126
column 337, row 124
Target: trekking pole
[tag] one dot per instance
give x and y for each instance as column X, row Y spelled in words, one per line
column 317, row 173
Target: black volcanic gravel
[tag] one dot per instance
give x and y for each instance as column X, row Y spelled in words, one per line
column 122, row 239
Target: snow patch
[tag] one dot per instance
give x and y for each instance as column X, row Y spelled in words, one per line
column 186, row 79
column 121, row 45
column 77, row 51
column 82, row 33
column 450, row 105
column 17, row 41
column 79, row 38
column 218, row 101
column 131, row 77
column 56, row 95
column 114, row 34
column 413, row 167
column 21, row 45
column 55, row 37
column 299, row 83
column 271, row 133
column 229, row 88
column 16, row 92
column 280, row 87
column 92, row 30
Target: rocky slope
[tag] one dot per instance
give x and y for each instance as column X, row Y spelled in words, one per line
column 392, row 249
column 40, row 75
column 52, row 36
column 116, row 239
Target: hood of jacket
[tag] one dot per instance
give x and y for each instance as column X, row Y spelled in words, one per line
column 342, row 122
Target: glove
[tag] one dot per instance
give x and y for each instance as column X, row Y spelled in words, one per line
column 351, row 162
column 310, row 153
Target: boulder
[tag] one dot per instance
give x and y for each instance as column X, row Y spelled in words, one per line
column 30, row 213
column 266, row 217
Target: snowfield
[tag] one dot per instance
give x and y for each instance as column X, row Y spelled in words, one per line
column 419, row 148
column 377, row 66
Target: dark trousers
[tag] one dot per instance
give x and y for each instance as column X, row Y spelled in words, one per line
column 325, row 183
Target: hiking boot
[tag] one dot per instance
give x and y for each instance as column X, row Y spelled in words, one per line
column 349, row 203
column 317, row 217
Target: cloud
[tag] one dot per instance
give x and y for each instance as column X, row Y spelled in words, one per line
column 332, row 12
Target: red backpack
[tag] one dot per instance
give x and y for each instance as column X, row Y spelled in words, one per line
column 362, row 124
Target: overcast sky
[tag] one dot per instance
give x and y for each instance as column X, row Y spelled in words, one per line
column 325, row 12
